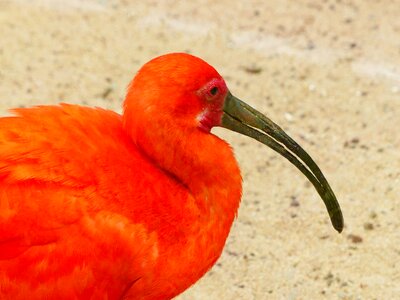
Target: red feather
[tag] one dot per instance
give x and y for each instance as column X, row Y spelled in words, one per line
column 95, row 205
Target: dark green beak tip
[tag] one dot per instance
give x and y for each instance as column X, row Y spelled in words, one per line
column 337, row 220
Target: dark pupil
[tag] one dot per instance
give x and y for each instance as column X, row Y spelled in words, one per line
column 214, row 91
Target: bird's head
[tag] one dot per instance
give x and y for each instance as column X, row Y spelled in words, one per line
column 180, row 88
column 182, row 92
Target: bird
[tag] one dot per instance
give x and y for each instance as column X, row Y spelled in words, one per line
column 100, row 205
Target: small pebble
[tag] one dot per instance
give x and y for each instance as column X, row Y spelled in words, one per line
column 294, row 202
column 368, row 226
column 253, row 69
column 289, row 117
column 373, row 215
column 311, row 87
column 356, row 239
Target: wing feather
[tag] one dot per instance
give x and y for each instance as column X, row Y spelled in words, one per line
column 58, row 168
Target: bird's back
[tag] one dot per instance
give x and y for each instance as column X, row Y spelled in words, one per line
column 75, row 193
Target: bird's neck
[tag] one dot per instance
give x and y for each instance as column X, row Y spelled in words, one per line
column 203, row 163
column 208, row 173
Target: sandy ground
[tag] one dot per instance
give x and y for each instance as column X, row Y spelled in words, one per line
column 326, row 71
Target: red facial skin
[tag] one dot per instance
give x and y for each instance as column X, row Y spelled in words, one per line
column 213, row 94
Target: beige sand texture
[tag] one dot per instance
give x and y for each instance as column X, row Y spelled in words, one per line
column 327, row 71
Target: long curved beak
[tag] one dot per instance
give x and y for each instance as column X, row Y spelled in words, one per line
column 242, row 118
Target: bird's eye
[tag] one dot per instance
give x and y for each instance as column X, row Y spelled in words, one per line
column 214, row 91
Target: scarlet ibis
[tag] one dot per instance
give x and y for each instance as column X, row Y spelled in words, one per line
column 97, row 205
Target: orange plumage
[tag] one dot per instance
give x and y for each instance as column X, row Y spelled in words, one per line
column 95, row 205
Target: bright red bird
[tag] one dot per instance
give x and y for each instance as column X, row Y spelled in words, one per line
column 97, row 205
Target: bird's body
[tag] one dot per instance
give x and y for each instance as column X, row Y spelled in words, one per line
column 97, row 205
column 84, row 203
